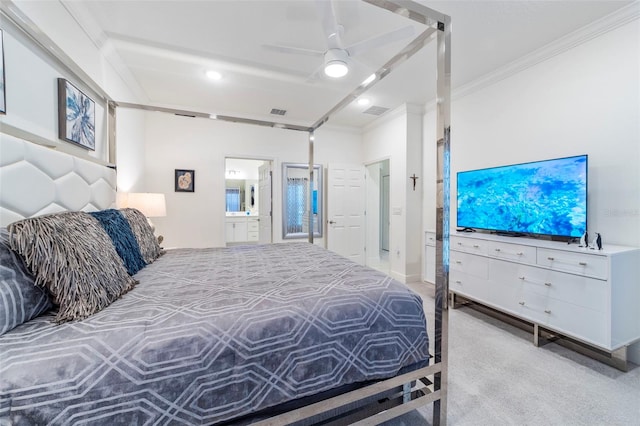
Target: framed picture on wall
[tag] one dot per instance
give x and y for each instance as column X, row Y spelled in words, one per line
column 185, row 180
column 76, row 116
column 3, row 97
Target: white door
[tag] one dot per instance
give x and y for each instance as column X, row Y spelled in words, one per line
column 345, row 210
column 264, row 203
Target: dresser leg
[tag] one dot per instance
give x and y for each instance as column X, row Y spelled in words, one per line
column 454, row 301
column 619, row 359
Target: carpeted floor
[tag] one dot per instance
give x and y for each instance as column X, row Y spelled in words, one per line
column 498, row 377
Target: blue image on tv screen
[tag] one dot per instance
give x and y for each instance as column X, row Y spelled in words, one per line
column 544, row 197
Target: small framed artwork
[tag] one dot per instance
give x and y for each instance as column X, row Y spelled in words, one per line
column 185, row 180
column 76, row 116
column 3, row 97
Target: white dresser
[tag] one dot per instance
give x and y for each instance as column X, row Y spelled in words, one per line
column 590, row 295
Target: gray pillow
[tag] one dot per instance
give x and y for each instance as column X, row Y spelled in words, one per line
column 20, row 299
column 73, row 257
column 149, row 247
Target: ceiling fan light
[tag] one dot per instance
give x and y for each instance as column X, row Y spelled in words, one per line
column 336, row 69
column 213, row 75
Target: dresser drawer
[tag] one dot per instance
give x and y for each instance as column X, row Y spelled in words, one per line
column 430, row 238
column 575, row 289
column 578, row 263
column 467, row 285
column 252, row 236
column 579, row 322
column 513, row 252
column 475, row 266
column 253, row 225
column 469, row 245
column 532, row 305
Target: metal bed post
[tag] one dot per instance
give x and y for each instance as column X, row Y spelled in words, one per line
column 310, row 201
column 443, row 130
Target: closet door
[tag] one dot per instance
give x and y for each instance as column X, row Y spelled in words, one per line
column 345, row 210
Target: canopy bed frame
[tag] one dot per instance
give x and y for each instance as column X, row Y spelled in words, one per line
column 402, row 393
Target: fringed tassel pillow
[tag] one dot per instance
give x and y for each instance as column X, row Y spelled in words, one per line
column 149, row 247
column 119, row 230
column 73, row 257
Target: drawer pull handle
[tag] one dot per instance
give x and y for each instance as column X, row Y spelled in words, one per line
column 458, row 282
column 550, row 258
column 459, row 244
column 459, row 262
column 547, row 284
column 522, row 278
column 582, row 263
column 547, row 311
column 497, row 249
column 476, row 246
column 520, row 253
column 521, row 303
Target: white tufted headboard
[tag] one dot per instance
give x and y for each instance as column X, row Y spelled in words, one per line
column 36, row 180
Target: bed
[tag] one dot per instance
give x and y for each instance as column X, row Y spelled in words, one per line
column 209, row 335
column 198, row 336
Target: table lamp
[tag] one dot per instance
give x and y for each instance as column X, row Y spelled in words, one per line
column 148, row 203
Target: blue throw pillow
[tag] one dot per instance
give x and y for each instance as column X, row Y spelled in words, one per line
column 118, row 229
column 20, row 299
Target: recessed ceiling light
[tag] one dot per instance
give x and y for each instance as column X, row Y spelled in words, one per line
column 364, row 101
column 214, row 75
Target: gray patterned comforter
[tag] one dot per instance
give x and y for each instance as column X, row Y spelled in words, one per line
column 213, row 334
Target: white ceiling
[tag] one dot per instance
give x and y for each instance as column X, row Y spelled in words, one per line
column 163, row 48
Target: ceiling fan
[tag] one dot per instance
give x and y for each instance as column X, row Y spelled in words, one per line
column 337, row 57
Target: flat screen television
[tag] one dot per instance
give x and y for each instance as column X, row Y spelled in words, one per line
column 539, row 198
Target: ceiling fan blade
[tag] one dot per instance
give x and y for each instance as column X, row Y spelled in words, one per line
column 293, row 50
column 330, row 25
column 316, row 75
column 378, row 41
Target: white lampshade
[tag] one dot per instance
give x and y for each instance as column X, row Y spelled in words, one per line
column 150, row 204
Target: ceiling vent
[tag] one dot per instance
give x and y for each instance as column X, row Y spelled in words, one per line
column 375, row 110
column 276, row 111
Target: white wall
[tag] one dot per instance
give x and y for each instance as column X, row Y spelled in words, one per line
column 31, row 87
column 130, row 150
column 583, row 101
column 397, row 136
column 174, row 142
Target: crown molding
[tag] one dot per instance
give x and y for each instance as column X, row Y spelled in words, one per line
column 79, row 13
column 595, row 29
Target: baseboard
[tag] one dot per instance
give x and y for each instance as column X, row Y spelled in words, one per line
column 405, row 279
